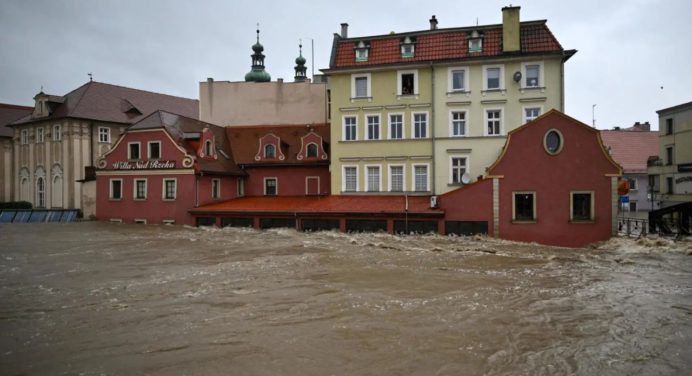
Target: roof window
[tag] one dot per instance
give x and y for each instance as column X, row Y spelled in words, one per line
column 362, row 49
column 475, row 41
column 408, row 47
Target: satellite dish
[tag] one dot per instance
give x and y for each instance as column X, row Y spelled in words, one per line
column 466, row 178
column 517, row 76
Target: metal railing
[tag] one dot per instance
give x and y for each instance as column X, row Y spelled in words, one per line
column 632, row 227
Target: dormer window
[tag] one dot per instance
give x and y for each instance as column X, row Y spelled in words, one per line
column 475, row 42
column 362, row 51
column 312, row 150
column 408, row 47
column 269, row 151
column 208, row 148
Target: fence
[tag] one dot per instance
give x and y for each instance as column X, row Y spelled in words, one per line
column 37, row 215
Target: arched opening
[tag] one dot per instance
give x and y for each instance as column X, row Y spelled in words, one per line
column 56, row 198
column 312, row 150
column 40, row 192
column 269, row 151
column 207, row 148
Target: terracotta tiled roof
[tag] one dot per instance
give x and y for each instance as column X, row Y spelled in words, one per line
column 245, row 141
column 444, row 44
column 179, row 126
column 324, row 204
column 10, row 113
column 111, row 103
column 631, row 149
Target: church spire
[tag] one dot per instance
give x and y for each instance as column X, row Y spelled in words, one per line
column 300, row 65
column 257, row 73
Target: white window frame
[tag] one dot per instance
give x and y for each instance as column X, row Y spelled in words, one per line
column 451, row 123
column 525, row 108
column 502, row 77
column 134, row 189
column 56, row 135
column 399, row 82
column 208, row 148
column 514, row 206
column 485, row 122
column 276, row 185
column 215, row 189
column 403, row 177
column 307, row 150
column 450, row 80
column 367, row 177
column 592, row 209
column 368, row 134
column 467, row 167
column 129, row 150
column 525, row 77
column 40, row 134
column 175, row 189
column 110, row 189
column 24, row 137
column 368, row 86
column 427, row 175
column 149, row 149
column 413, row 124
column 104, row 131
column 390, row 126
column 343, row 178
column 240, row 187
column 273, row 151
column 343, row 127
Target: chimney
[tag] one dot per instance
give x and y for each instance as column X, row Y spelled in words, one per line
column 646, row 126
column 344, row 30
column 210, row 80
column 510, row 29
column 433, row 23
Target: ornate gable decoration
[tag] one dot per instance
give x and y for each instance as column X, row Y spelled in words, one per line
column 207, row 145
column 311, row 148
column 270, row 149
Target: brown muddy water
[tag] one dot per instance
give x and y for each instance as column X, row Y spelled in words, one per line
column 97, row 298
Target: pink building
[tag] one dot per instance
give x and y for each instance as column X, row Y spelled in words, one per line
column 554, row 183
column 282, row 160
column 162, row 167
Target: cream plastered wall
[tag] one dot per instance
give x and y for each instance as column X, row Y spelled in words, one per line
column 383, row 152
column 480, row 149
column 262, row 103
column 6, row 171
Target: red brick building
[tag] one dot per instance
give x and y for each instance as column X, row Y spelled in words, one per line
column 554, row 183
column 162, row 167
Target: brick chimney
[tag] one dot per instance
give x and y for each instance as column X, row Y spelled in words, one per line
column 510, row 29
column 344, row 30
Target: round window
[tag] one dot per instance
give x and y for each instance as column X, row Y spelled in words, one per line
column 553, row 142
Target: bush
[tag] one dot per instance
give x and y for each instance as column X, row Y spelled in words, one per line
column 15, row 205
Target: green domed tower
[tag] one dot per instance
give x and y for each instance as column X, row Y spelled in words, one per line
column 257, row 74
column 300, row 66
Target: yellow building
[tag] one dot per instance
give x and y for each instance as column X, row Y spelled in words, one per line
column 671, row 174
column 421, row 112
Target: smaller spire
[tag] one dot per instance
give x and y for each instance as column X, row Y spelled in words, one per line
column 300, row 64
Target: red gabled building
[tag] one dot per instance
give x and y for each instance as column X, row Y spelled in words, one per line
column 282, row 160
column 163, row 166
column 554, row 183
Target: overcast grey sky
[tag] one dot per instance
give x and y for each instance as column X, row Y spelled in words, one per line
column 634, row 56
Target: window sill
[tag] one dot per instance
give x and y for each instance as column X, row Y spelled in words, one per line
column 490, row 91
column 456, row 184
column 533, row 88
column 524, row 222
column 361, row 99
column 459, row 92
column 115, row 199
column 582, row 221
column 139, row 199
column 168, row 199
column 406, row 96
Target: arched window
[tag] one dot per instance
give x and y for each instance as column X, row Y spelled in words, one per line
column 269, row 151
column 207, row 148
column 40, row 192
column 312, row 150
column 24, row 185
column 56, row 198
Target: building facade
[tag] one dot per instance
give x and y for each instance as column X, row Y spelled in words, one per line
column 162, row 167
column 56, row 146
column 554, row 184
column 631, row 149
column 423, row 112
column 8, row 114
column 670, row 175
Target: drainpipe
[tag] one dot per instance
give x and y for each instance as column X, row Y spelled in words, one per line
column 432, row 125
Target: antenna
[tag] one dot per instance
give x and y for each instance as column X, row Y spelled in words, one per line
column 91, row 76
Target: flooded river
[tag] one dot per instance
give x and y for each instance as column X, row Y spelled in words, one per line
column 97, row 298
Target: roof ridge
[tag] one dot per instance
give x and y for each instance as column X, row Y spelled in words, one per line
column 140, row 90
column 15, row 106
column 441, row 30
column 74, row 109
